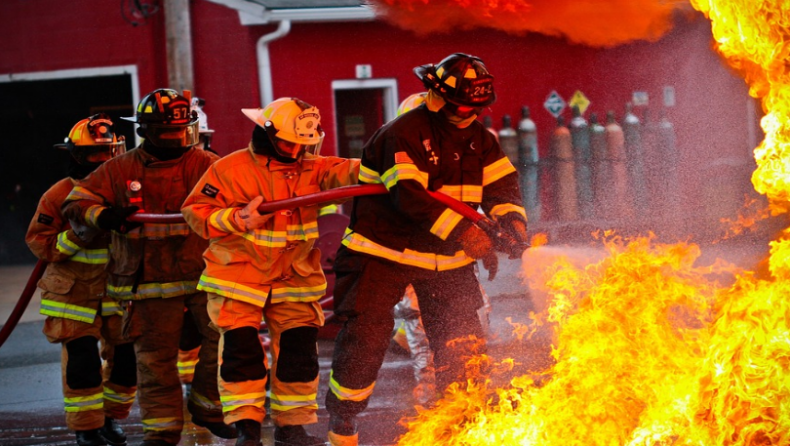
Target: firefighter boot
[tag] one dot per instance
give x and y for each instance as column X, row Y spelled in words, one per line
column 112, row 432
column 218, row 428
column 249, row 433
column 343, row 431
column 90, row 438
column 295, row 435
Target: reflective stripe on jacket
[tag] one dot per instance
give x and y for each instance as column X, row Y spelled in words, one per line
column 154, row 260
column 418, row 151
column 278, row 257
column 71, row 260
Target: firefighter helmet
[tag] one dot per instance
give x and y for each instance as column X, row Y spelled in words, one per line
column 411, row 102
column 461, row 79
column 166, row 119
column 93, row 141
column 293, row 126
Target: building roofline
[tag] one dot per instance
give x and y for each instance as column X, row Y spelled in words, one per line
column 251, row 13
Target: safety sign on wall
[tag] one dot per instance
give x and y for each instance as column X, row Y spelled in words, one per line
column 579, row 100
column 554, row 104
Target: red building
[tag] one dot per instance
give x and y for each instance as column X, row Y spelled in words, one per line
column 60, row 61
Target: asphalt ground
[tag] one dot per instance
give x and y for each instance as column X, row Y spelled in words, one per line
column 31, row 405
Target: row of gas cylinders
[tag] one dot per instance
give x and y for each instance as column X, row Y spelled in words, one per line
column 615, row 172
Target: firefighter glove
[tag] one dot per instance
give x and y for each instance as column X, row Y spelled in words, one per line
column 491, row 264
column 476, row 242
column 83, row 232
column 249, row 217
column 518, row 229
column 115, row 219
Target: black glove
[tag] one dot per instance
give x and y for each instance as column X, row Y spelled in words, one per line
column 491, row 264
column 114, row 219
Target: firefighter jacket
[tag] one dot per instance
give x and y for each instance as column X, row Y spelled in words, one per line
column 74, row 281
column 278, row 257
column 155, row 259
column 421, row 150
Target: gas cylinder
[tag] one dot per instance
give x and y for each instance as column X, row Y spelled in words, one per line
column 580, row 137
column 632, row 133
column 488, row 123
column 508, row 140
column 529, row 169
column 598, row 164
column 616, row 204
column 563, row 173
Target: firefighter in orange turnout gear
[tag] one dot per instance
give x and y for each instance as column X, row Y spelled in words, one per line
column 79, row 314
column 265, row 266
column 408, row 237
column 155, row 267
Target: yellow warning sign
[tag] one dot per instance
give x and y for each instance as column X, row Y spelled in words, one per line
column 579, row 100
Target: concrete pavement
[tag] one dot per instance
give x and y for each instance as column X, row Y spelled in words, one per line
column 31, row 401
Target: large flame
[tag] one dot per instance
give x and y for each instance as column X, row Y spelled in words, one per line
column 590, row 22
column 650, row 350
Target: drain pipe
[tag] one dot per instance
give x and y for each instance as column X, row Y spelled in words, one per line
column 264, row 64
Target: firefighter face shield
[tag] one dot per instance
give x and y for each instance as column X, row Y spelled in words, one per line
column 171, row 136
column 309, row 139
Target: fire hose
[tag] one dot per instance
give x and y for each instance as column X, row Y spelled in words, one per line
column 502, row 241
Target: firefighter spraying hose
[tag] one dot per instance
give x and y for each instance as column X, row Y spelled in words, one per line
column 505, row 243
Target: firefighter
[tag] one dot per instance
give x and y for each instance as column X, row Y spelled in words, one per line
column 79, row 314
column 205, row 134
column 154, row 268
column 409, row 237
column 264, row 266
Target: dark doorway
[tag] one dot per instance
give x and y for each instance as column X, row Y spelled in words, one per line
column 359, row 113
column 35, row 115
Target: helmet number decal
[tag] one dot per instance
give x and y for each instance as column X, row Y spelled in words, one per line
column 180, row 113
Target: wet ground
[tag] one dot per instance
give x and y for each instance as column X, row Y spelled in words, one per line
column 31, row 407
column 31, row 402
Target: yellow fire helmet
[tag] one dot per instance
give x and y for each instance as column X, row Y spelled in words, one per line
column 293, row 126
column 92, row 140
column 411, row 102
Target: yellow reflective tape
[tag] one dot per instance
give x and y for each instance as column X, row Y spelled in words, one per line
column 151, row 290
column 466, row 193
column 162, row 424
column 298, row 294
column 434, row 262
column 67, row 311
column 92, row 214
column 348, row 394
column 65, row 245
column 502, row 209
column 368, row 175
column 92, row 256
column 223, row 220
column 497, row 170
column 226, row 288
column 445, row 224
column 400, row 172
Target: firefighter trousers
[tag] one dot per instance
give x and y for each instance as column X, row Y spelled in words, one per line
column 92, row 389
column 293, row 328
column 366, row 290
column 155, row 325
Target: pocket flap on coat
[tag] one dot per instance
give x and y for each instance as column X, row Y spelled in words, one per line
column 56, row 284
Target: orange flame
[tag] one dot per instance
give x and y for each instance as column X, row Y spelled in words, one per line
column 598, row 23
column 649, row 350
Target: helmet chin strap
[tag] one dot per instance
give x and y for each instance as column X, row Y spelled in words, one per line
column 262, row 145
column 164, row 154
column 435, row 102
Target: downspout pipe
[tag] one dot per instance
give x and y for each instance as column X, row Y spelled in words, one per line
column 264, row 63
